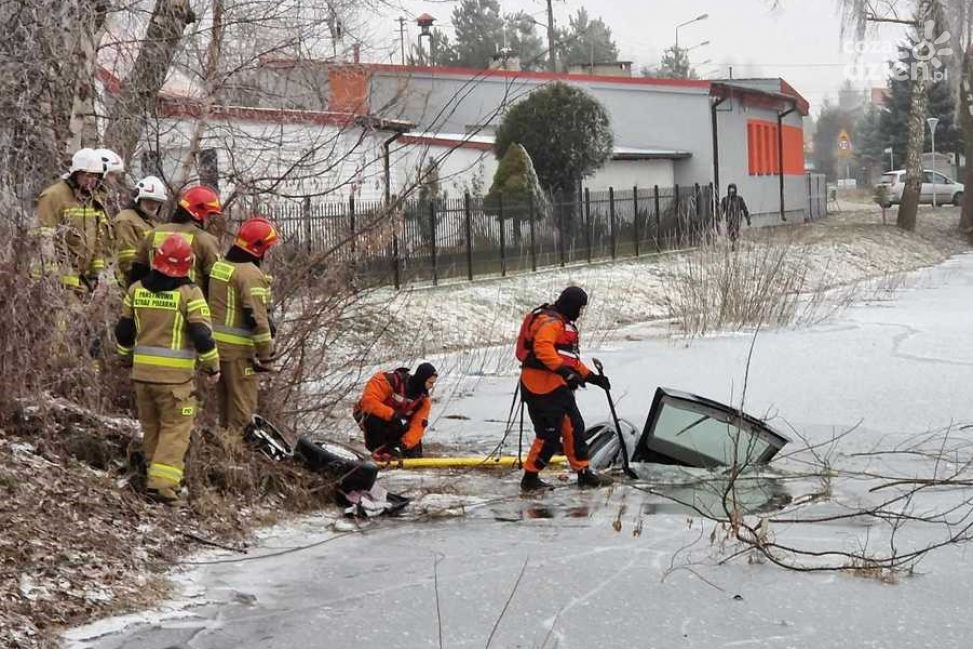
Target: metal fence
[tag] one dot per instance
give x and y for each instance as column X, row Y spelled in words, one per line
column 817, row 196
column 466, row 237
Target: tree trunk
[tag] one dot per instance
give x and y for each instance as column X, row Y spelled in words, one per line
column 141, row 87
column 966, row 122
column 82, row 125
column 920, row 76
column 213, row 54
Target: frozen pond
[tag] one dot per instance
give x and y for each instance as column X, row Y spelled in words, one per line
column 622, row 568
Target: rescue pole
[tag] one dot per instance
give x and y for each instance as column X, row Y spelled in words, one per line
column 506, row 461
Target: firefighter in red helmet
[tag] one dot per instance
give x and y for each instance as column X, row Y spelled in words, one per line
column 196, row 204
column 239, row 296
column 165, row 333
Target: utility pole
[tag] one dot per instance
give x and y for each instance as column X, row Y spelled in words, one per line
column 551, row 56
column 402, row 37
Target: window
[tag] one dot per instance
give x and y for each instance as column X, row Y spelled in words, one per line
column 688, row 430
column 927, row 177
column 208, row 166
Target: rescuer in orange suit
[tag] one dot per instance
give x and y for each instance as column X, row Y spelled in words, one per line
column 549, row 352
column 393, row 412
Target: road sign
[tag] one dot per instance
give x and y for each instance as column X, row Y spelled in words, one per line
column 844, row 144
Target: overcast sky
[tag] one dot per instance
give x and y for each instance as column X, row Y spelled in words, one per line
column 800, row 42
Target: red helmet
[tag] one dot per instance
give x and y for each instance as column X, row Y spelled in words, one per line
column 200, row 201
column 257, row 235
column 174, row 257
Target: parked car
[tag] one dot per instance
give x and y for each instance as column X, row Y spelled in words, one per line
column 947, row 190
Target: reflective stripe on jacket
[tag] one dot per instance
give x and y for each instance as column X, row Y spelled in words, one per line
column 163, row 352
column 239, row 294
column 72, row 230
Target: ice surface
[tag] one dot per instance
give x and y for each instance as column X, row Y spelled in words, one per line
column 894, row 368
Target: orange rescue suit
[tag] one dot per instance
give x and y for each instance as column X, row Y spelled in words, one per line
column 552, row 343
column 383, row 400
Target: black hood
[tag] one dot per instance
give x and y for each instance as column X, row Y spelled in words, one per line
column 238, row 255
column 570, row 302
column 731, row 189
column 156, row 282
column 417, row 382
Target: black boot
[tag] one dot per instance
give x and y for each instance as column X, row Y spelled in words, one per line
column 588, row 478
column 532, row 482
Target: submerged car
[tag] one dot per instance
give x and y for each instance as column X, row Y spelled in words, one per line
column 687, row 430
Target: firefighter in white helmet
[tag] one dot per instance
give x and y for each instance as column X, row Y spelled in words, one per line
column 132, row 224
column 71, row 225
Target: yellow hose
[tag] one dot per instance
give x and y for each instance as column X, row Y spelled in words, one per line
column 462, row 462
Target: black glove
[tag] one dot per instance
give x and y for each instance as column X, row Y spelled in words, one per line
column 415, row 451
column 600, row 380
column 572, row 378
column 398, row 425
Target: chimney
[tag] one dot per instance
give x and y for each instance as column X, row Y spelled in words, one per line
column 349, row 89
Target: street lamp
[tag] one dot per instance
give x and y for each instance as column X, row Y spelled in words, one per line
column 689, row 22
column 696, row 46
column 933, row 123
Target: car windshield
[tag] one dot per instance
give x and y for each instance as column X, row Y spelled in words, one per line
column 890, row 179
column 689, row 430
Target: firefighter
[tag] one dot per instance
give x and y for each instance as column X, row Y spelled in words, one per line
column 239, row 295
column 132, row 224
column 165, row 331
column 71, row 225
column 548, row 350
column 393, row 411
column 733, row 209
column 196, row 204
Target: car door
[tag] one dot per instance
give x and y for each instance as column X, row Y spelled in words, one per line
column 925, row 196
column 944, row 189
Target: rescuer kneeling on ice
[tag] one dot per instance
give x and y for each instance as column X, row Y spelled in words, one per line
column 394, row 410
column 551, row 371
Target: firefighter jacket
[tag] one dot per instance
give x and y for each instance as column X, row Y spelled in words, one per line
column 553, row 344
column 205, row 247
column 72, row 228
column 129, row 227
column 166, row 333
column 385, row 397
column 239, row 297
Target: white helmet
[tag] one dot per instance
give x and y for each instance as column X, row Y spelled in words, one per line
column 151, row 188
column 113, row 161
column 87, row 160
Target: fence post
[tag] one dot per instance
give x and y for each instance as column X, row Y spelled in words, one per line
column 351, row 223
column 503, row 236
column 587, row 223
column 675, row 203
column 468, row 212
column 611, row 220
column 699, row 207
column 530, row 221
column 432, row 242
column 306, row 215
column 396, row 279
column 560, row 226
column 636, row 231
column 658, row 218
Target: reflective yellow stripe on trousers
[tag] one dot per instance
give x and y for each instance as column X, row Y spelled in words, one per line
column 165, row 472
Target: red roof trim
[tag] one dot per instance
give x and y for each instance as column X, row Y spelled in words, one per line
column 112, row 83
column 196, row 110
column 540, row 76
column 803, row 104
column 425, row 140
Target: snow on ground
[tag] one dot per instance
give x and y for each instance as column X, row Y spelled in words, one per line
column 619, row 568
